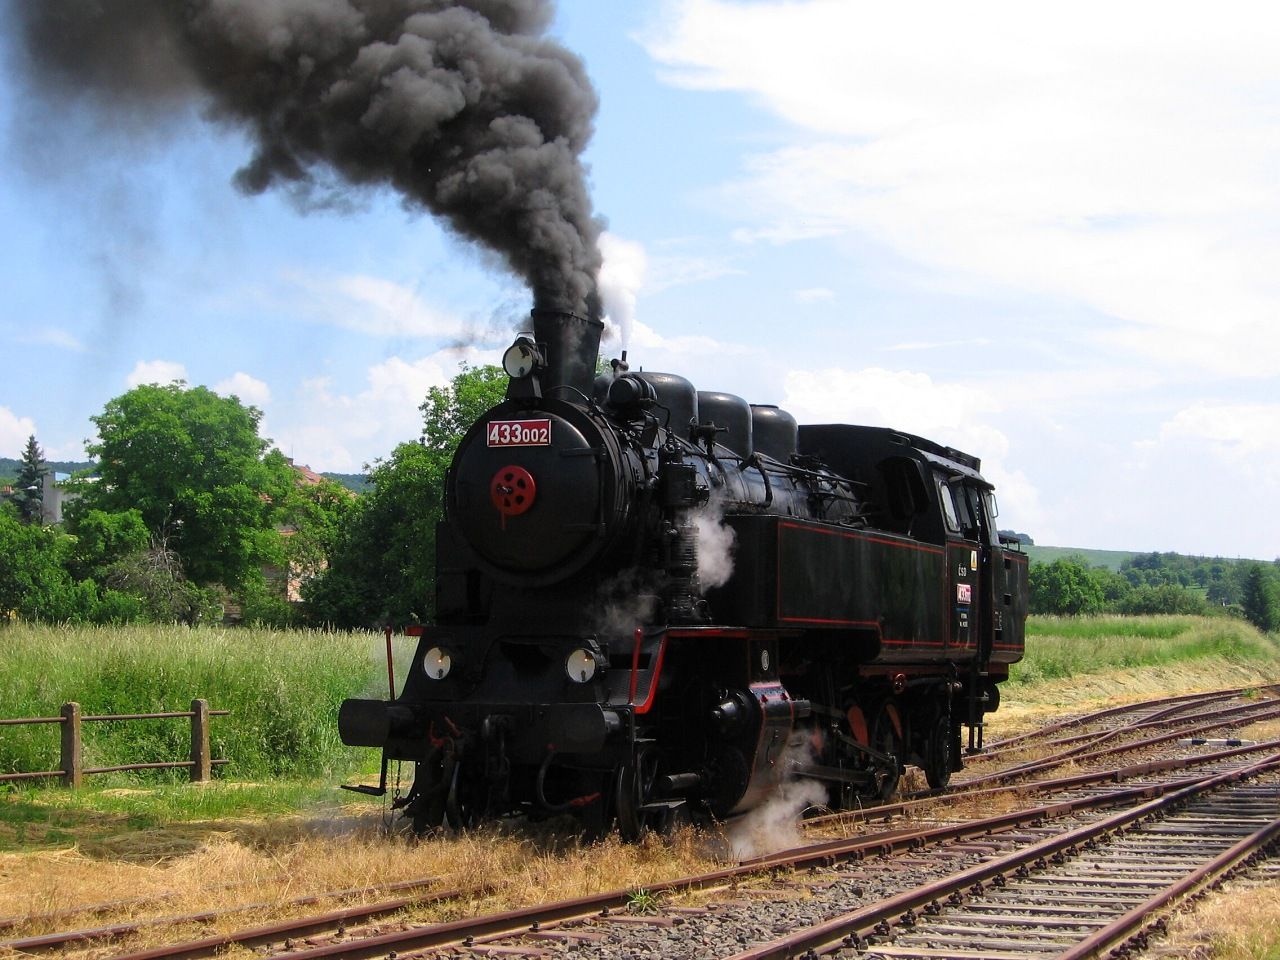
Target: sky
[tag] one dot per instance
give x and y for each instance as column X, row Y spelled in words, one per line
column 1047, row 236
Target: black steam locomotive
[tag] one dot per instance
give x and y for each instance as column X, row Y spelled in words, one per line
column 594, row 653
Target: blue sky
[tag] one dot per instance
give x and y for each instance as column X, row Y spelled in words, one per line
column 1049, row 240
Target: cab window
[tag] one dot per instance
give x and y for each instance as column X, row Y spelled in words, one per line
column 948, row 504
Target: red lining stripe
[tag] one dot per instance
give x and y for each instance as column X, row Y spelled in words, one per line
column 653, row 684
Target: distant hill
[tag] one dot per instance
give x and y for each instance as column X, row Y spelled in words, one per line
column 9, row 467
column 358, row 482
column 1111, row 559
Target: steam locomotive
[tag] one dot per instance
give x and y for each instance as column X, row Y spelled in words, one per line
column 654, row 601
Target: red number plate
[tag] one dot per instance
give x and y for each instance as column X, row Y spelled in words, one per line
column 519, row 433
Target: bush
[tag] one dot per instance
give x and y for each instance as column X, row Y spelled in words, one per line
column 1166, row 598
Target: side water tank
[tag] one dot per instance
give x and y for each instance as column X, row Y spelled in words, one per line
column 776, row 433
column 731, row 413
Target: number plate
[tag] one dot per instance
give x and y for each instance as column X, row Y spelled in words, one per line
column 519, row 433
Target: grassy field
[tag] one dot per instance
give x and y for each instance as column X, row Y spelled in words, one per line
column 282, row 688
column 1059, row 648
column 1081, row 663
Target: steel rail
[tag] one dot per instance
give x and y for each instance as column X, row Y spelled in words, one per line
column 1066, row 783
column 1161, row 718
column 1270, row 713
column 848, row 929
column 532, row 918
column 962, row 789
column 1207, row 696
column 115, row 931
column 1125, row 927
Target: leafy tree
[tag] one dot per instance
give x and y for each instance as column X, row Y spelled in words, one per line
column 193, row 466
column 312, row 517
column 1164, row 598
column 382, row 567
column 1064, row 587
column 28, row 487
column 1261, row 600
column 102, row 539
column 448, row 411
column 34, row 582
column 152, row 578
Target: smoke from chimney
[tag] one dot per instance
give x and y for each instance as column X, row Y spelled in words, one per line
column 464, row 107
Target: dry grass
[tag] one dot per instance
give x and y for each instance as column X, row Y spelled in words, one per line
column 1266, row 730
column 269, row 863
column 1029, row 708
column 1240, row 921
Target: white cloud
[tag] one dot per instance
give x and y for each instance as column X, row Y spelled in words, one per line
column 1247, row 434
column 903, row 399
column 14, row 431
column 52, row 337
column 1120, row 158
column 156, row 371
column 249, row 389
column 374, row 306
column 341, row 431
column 815, row 295
column 958, row 415
column 1207, row 476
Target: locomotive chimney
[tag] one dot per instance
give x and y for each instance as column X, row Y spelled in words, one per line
column 570, row 345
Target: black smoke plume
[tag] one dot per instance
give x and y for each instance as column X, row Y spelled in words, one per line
column 464, row 107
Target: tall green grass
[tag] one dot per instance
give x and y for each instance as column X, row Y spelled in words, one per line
column 1062, row 647
column 283, row 689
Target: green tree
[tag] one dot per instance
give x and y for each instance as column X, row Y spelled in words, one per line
column 1064, row 586
column 193, row 466
column 102, row 539
column 382, row 566
column 1261, row 601
column 34, row 582
column 1164, row 598
column 28, row 488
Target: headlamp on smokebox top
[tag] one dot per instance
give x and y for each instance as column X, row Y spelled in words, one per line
column 522, row 359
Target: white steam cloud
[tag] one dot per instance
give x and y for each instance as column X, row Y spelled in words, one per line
column 775, row 824
column 716, row 543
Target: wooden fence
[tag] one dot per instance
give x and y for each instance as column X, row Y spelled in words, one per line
column 72, row 761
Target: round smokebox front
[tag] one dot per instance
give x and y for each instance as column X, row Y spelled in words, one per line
column 525, row 494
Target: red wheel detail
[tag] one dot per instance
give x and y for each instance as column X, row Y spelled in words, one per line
column 512, row 491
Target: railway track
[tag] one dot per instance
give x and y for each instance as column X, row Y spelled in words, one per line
column 995, row 782
column 1074, row 895
column 609, row 922
column 823, row 875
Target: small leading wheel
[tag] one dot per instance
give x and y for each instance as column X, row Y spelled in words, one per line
column 885, row 739
column 634, row 789
column 938, row 753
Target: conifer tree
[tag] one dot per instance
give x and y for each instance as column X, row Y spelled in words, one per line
column 1261, row 605
column 28, row 489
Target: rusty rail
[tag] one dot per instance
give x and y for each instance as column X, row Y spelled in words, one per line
column 72, row 769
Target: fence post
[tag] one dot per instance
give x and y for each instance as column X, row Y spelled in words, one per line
column 72, row 758
column 200, row 765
